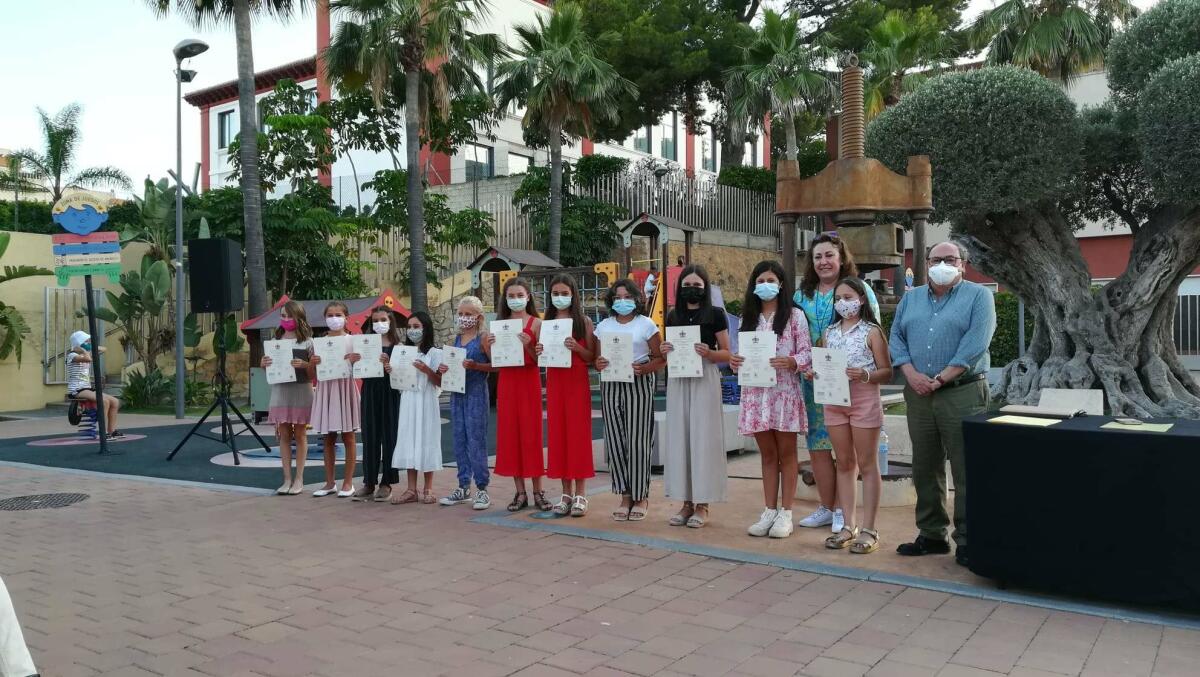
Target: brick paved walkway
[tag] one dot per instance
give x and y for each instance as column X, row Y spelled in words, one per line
column 151, row 579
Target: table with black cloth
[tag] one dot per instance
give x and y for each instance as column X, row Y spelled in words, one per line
column 1079, row 510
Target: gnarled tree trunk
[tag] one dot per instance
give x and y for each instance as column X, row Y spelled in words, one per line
column 1117, row 338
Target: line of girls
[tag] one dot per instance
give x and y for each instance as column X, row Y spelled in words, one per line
column 400, row 430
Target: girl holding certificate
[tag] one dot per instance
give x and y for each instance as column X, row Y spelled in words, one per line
column 419, row 435
column 519, row 402
column 694, row 466
column 775, row 415
column 291, row 403
column 335, row 411
column 469, row 410
column 628, row 407
column 380, row 409
column 569, row 402
column 854, row 430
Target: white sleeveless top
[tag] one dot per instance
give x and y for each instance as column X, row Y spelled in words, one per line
column 854, row 342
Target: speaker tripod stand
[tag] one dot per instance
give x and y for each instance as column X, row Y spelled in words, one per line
column 228, row 436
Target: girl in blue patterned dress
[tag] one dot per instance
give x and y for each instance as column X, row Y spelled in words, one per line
column 469, row 410
column 829, row 262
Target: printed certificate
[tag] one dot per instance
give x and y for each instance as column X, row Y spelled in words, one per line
column 553, row 335
column 455, row 378
column 758, row 347
column 830, row 384
column 369, row 347
column 281, row 369
column 507, row 351
column 682, row 361
column 332, row 351
column 404, row 375
column 617, row 348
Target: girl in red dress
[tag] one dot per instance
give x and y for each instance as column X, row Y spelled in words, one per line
column 519, row 402
column 569, row 403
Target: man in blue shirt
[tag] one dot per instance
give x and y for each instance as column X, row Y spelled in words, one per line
column 940, row 338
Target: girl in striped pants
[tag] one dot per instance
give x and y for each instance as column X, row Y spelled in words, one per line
column 628, row 408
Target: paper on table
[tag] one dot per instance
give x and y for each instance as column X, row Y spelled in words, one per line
column 683, row 361
column 830, row 383
column 369, row 347
column 758, row 347
column 507, row 351
column 455, row 378
column 1025, row 420
column 554, row 352
column 1143, row 428
column 404, row 375
column 281, row 369
column 617, row 348
column 332, row 351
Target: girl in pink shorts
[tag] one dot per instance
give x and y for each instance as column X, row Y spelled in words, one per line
column 854, row 430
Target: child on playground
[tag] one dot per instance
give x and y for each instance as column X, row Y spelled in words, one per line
column 469, row 410
column 79, row 379
column 380, row 415
column 291, row 403
column 335, row 411
column 854, row 430
column 569, row 402
column 419, row 435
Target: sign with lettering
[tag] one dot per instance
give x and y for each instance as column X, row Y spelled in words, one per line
column 82, row 250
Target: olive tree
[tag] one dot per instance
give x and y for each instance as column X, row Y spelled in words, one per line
column 1010, row 171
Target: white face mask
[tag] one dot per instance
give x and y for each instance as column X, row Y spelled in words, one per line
column 381, row 327
column 943, row 273
column 467, row 321
column 335, row 322
column 415, row 335
column 847, row 307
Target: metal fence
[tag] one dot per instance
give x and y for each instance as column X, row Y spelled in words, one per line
column 1187, row 330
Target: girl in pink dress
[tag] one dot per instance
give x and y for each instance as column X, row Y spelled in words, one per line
column 335, row 409
column 775, row 415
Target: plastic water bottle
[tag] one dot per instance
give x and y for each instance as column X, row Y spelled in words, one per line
column 883, row 452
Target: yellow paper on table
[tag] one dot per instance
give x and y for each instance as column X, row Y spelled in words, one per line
column 1143, row 428
column 1024, row 420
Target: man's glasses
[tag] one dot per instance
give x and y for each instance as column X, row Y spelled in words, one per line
column 950, row 260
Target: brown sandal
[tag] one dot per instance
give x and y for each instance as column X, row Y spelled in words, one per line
column 866, row 543
column 841, row 539
column 519, row 502
column 409, row 496
column 539, row 499
column 428, row 498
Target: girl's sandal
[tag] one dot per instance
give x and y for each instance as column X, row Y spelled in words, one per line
column 681, row 518
column 539, row 499
column 637, row 514
column 579, row 506
column 519, row 502
column 866, row 543
column 409, row 496
column 697, row 520
column 428, row 498
column 621, row 514
column 563, row 507
column 841, row 539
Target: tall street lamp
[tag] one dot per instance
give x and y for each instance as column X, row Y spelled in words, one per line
column 186, row 49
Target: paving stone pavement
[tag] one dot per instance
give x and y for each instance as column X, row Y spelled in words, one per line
column 146, row 578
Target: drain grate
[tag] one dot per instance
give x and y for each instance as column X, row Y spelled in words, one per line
column 39, row 501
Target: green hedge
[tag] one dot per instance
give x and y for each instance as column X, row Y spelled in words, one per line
column 34, row 217
column 1006, row 341
column 749, row 178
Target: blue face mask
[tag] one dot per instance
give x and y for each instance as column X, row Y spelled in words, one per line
column 561, row 302
column 766, row 290
column 624, row 306
column 517, row 303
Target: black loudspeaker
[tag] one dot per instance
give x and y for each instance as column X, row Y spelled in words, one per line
column 215, row 275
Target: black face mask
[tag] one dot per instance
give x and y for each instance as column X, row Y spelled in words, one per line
column 692, row 294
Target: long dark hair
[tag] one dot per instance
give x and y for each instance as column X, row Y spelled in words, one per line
column 865, row 311
column 295, row 310
column 808, row 284
column 575, row 311
column 427, row 332
column 504, row 311
column 706, row 306
column 634, row 291
column 393, row 333
column 752, row 305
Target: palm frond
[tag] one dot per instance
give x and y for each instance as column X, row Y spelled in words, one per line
column 100, row 176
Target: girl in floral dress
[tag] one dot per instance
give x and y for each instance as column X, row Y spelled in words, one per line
column 775, row 415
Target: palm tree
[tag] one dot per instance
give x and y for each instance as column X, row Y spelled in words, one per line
column 782, row 74
column 564, row 87
column 205, row 13
column 1059, row 38
column 16, row 179
column 897, row 46
column 54, row 167
column 421, row 52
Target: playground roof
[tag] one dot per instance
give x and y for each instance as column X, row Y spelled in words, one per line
column 660, row 219
column 522, row 257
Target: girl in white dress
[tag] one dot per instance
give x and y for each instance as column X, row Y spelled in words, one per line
column 419, row 434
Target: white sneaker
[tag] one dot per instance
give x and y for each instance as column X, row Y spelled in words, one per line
column 839, row 521
column 782, row 527
column 820, row 518
column 482, row 501
column 763, row 525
